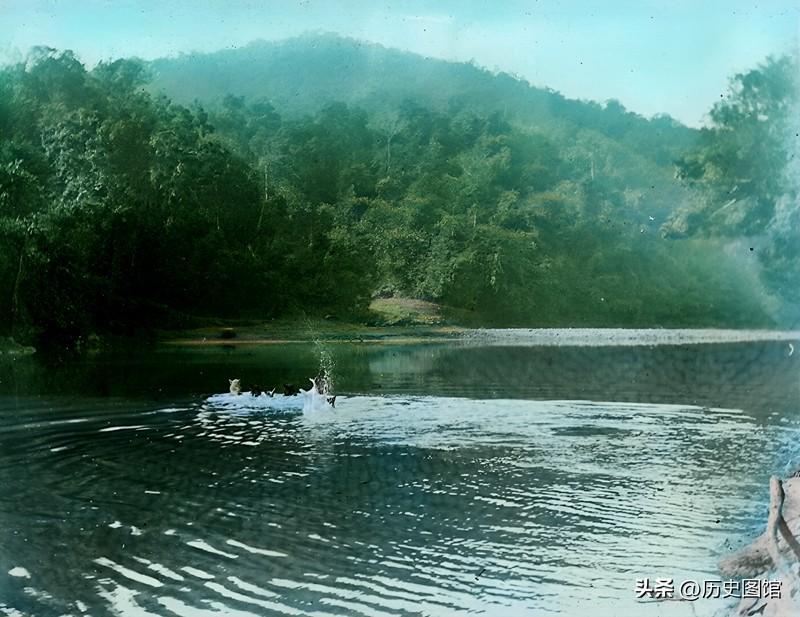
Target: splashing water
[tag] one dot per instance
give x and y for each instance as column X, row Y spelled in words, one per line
column 495, row 480
column 326, row 369
column 325, row 375
column 317, row 397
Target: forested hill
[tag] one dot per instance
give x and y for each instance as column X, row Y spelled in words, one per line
column 122, row 210
column 300, row 75
column 400, row 92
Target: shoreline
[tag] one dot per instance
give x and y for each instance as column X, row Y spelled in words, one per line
column 299, row 332
column 292, row 333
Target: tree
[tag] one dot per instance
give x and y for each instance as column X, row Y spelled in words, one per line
column 742, row 173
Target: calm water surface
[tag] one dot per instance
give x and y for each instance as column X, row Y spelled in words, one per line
column 450, row 480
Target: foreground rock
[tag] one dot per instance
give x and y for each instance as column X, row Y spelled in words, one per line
column 773, row 556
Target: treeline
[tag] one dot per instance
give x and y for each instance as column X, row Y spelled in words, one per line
column 122, row 211
column 300, row 75
column 745, row 178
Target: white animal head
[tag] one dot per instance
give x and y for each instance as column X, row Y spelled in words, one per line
column 236, row 386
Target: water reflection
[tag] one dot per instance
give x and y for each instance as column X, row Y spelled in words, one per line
column 406, row 500
column 761, row 376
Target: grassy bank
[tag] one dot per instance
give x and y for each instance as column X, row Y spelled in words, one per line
column 388, row 320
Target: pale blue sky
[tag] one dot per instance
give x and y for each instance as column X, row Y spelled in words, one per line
column 672, row 56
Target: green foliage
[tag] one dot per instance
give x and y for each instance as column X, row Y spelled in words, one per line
column 500, row 222
column 302, row 75
column 745, row 175
column 121, row 211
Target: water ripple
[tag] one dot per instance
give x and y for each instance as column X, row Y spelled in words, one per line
column 391, row 505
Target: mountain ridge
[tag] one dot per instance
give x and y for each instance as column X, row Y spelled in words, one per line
column 299, row 75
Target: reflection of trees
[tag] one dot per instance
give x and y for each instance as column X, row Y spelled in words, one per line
column 448, row 489
column 391, row 360
column 759, row 378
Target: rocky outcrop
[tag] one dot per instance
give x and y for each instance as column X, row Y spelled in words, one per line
column 772, row 556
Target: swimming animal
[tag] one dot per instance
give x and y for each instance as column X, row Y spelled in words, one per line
column 320, row 384
column 289, row 389
column 255, row 390
column 235, row 386
column 270, row 393
column 314, row 400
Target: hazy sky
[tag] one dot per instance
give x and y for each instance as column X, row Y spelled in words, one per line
column 671, row 56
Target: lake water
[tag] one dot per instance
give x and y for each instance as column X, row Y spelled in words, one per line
column 490, row 478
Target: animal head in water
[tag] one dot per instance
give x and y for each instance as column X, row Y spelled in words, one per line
column 289, row 389
column 332, row 401
column 321, row 383
column 256, row 390
column 236, row 386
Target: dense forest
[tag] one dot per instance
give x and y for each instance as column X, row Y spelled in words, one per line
column 122, row 210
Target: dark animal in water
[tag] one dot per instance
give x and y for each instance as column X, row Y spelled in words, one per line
column 271, row 393
column 320, row 383
column 255, row 390
column 332, row 401
column 289, row 389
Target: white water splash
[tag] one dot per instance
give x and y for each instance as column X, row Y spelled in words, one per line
column 314, row 400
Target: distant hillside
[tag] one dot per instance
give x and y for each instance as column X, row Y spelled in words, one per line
column 320, row 174
column 298, row 76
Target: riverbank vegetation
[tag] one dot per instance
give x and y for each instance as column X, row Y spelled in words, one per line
column 122, row 211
